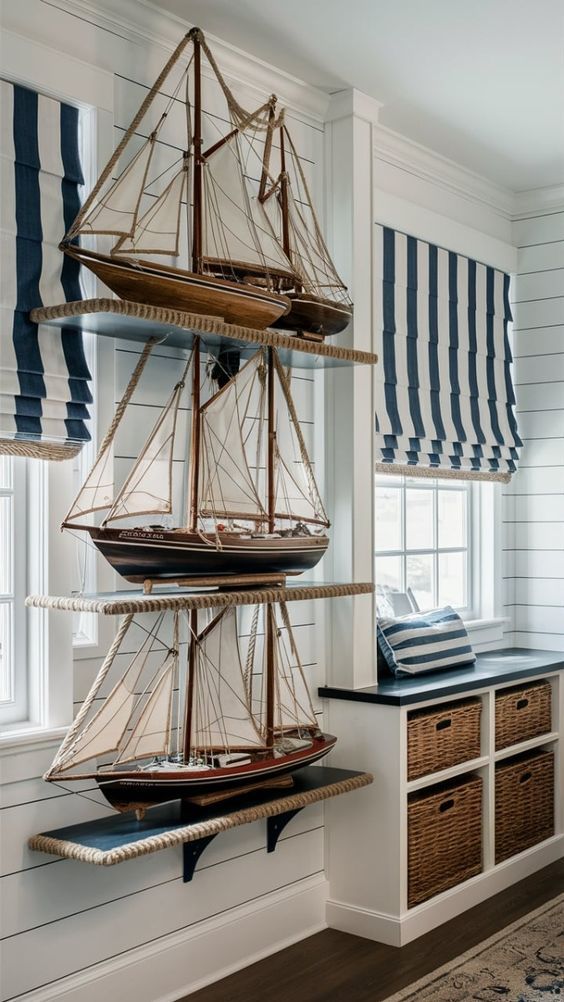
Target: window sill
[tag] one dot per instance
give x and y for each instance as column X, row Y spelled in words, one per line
column 22, row 736
column 486, row 632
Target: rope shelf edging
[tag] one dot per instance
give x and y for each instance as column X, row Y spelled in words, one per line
column 199, row 830
column 202, row 325
column 213, row 599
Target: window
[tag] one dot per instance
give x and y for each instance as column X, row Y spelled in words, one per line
column 13, row 587
column 423, row 539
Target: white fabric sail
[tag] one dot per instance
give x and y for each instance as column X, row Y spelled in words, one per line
column 222, row 718
column 297, row 496
column 116, row 211
column 97, row 491
column 152, row 733
column 157, row 230
column 148, row 488
column 104, row 731
column 234, row 226
column 293, row 707
column 227, row 486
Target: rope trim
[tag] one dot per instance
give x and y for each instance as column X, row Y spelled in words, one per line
column 38, row 450
column 201, row 324
column 202, row 829
column 403, row 470
column 207, row 600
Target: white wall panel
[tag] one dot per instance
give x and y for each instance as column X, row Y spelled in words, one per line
column 62, row 917
column 533, row 504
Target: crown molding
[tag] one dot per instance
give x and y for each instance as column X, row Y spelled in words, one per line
column 141, row 22
column 405, row 154
column 352, row 102
column 539, row 201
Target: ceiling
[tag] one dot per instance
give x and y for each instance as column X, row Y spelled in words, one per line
column 481, row 82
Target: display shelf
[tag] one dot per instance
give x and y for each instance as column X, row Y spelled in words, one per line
column 136, row 601
column 523, row 746
column 432, row 778
column 120, row 837
column 117, row 318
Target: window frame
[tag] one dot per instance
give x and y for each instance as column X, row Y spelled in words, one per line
column 14, row 707
column 50, row 643
column 435, row 486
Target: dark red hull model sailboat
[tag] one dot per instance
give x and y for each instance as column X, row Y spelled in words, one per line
column 205, row 724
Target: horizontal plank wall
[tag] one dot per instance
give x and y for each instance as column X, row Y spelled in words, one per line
column 534, row 501
column 80, row 933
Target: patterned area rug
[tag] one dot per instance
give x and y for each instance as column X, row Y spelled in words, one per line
column 523, row 963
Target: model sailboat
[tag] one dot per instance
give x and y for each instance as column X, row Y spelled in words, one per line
column 187, row 234
column 320, row 303
column 252, row 506
column 190, row 719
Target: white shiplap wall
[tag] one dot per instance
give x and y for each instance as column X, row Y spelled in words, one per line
column 136, row 931
column 534, row 501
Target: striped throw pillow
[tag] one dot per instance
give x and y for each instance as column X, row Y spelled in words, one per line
column 424, row 641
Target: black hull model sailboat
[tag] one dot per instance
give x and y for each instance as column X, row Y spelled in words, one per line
column 139, row 554
column 253, row 506
column 203, row 724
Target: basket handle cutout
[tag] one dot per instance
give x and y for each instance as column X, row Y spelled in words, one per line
column 525, row 777
column 446, row 805
column 522, row 703
column 443, row 724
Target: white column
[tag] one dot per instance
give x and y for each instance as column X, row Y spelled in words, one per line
column 349, row 407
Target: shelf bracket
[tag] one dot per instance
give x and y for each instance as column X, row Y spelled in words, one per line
column 276, row 825
column 191, row 852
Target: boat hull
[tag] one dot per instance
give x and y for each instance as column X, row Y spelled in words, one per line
column 137, row 554
column 175, row 289
column 314, row 315
column 135, row 789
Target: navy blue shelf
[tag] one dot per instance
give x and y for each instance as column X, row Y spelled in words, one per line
column 492, row 668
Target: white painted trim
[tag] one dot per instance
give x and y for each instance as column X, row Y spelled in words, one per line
column 32, row 64
column 157, row 971
column 412, row 157
column 351, row 101
column 539, row 201
column 397, row 930
column 141, row 22
column 18, row 739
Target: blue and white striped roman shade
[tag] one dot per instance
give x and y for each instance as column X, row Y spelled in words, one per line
column 444, row 393
column 44, row 377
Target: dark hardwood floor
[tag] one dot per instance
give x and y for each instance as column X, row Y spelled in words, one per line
column 336, row 967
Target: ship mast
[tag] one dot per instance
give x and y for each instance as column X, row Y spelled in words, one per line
column 269, row 677
column 191, row 668
column 271, row 487
column 284, row 198
column 197, row 228
column 195, row 440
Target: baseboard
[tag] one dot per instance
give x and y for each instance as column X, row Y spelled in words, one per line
column 397, row 930
column 177, row 965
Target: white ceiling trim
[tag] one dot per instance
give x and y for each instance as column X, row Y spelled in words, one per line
column 140, row 21
column 407, row 155
column 539, row 201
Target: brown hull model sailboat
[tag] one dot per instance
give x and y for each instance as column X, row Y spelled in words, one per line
column 253, row 508
column 237, row 266
column 320, row 304
column 200, row 725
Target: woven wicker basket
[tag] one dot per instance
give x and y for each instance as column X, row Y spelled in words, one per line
column 444, row 837
column 522, row 712
column 524, row 802
column 440, row 737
